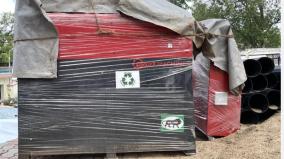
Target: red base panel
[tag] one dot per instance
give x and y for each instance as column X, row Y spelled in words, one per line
column 222, row 120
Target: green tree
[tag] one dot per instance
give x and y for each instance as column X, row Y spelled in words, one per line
column 254, row 22
column 6, row 37
column 180, row 3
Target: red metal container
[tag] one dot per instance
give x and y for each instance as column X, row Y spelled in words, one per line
column 217, row 111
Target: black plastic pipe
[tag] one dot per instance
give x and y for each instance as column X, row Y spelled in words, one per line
column 254, row 118
column 249, row 117
column 272, row 80
column 274, row 99
column 256, row 103
column 266, row 115
column 252, row 67
column 259, row 83
column 248, row 86
column 267, row 65
column 278, row 85
column 245, row 102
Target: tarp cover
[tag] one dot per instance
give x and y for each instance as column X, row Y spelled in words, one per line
column 84, row 6
column 36, row 39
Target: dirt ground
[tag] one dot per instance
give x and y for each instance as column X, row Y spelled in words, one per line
column 260, row 141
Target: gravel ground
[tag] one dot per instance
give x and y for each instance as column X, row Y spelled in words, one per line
column 260, row 141
column 251, row 142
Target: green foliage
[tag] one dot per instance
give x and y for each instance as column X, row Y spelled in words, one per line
column 6, row 37
column 254, row 22
column 180, row 3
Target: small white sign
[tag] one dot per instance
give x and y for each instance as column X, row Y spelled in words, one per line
column 127, row 79
column 170, row 45
column 221, row 98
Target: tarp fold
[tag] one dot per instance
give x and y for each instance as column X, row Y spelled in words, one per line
column 36, row 39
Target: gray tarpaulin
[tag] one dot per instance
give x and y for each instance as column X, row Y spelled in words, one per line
column 227, row 55
column 84, row 6
column 36, row 40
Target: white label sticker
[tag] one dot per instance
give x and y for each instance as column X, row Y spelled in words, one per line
column 127, row 79
column 221, row 98
column 170, row 45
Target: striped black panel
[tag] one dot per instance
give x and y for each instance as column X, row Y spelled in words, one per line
column 82, row 111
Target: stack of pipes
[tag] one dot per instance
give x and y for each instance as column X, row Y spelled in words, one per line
column 261, row 95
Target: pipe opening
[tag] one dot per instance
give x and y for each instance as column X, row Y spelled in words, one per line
column 274, row 100
column 267, row 65
column 259, row 83
column 252, row 67
column 258, row 103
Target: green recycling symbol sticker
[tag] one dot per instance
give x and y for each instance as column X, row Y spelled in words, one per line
column 127, row 79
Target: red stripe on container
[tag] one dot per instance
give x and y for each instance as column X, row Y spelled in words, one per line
column 124, row 37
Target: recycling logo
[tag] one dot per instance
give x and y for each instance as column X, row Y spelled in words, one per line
column 127, row 79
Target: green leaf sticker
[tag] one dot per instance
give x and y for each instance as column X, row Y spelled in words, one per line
column 172, row 123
